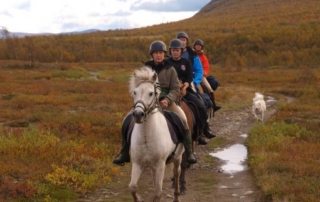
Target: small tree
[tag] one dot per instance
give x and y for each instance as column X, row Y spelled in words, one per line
column 4, row 33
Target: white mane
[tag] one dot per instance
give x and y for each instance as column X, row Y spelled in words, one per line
column 144, row 74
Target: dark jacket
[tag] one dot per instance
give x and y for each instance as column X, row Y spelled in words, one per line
column 183, row 69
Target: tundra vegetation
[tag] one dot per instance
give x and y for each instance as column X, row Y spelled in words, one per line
column 63, row 97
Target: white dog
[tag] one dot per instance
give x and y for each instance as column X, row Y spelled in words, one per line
column 259, row 106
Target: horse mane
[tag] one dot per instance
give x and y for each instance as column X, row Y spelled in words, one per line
column 143, row 74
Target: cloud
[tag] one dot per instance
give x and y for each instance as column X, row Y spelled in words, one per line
column 24, row 5
column 71, row 26
column 57, row 16
column 122, row 14
column 6, row 13
column 170, row 5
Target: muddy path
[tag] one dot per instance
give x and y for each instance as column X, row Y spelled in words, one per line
column 208, row 180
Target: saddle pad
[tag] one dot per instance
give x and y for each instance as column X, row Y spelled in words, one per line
column 175, row 125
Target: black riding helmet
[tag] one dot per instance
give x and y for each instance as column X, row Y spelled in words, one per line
column 157, row 46
column 175, row 43
column 182, row 35
column 198, row 42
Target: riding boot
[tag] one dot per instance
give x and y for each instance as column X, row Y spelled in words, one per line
column 215, row 106
column 187, row 145
column 207, row 131
column 124, row 157
column 202, row 140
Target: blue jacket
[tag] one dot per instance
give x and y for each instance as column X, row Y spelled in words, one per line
column 197, row 71
column 195, row 61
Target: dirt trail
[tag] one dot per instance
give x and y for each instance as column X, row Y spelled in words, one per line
column 206, row 181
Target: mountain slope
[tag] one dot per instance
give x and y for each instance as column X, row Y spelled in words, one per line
column 257, row 33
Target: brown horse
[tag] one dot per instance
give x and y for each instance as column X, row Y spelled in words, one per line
column 195, row 132
column 189, row 110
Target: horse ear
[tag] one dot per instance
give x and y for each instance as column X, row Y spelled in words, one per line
column 154, row 77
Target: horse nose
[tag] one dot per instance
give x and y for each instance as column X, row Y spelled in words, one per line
column 138, row 115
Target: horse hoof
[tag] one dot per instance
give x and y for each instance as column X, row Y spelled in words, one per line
column 138, row 198
column 182, row 190
column 156, row 199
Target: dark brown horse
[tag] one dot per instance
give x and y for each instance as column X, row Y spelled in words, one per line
column 189, row 110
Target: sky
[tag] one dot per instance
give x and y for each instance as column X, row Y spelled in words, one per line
column 56, row 16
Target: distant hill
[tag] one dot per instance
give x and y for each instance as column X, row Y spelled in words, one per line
column 4, row 34
column 237, row 33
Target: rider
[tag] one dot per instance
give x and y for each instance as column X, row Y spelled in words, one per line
column 190, row 55
column 169, row 85
column 170, row 90
column 185, row 75
column 198, row 46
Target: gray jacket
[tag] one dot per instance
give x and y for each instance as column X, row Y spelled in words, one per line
column 168, row 79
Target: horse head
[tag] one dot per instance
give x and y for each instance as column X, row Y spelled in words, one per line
column 144, row 89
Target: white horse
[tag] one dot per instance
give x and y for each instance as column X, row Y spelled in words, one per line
column 151, row 143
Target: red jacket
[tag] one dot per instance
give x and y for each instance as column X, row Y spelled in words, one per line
column 205, row 63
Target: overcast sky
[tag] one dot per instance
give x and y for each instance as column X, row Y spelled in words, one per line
column 55, row 16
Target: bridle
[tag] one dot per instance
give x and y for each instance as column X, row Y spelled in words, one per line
column 147, row 109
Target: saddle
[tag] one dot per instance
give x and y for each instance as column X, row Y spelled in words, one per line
column 198, row 124
column 175, row 125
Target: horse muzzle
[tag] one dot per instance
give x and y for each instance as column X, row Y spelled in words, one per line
column 138, row 116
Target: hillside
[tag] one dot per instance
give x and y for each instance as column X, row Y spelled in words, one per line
column 237, row 33
column 63, row 99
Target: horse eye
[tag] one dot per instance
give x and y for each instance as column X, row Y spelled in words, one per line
column 134, row 93
column 150, row 94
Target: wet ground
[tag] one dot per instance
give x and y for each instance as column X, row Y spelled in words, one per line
column 221, row 174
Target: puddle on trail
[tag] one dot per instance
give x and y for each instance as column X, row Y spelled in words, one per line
column 234, row 158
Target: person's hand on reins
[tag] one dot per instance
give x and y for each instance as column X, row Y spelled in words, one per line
column 164, row 103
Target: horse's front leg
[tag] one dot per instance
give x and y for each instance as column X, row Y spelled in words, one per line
column 159, row 170
column 133, row 186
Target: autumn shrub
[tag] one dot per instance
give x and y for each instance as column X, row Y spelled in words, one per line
column 30, row 142
column 11, row 188
column 74, row 73
column 282, row 156
column 59, row 133
column 78, row 181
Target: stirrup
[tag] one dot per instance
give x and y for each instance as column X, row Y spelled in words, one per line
column 119, row 164
column 216, row 108
column 191, row 160
column 202, row 140
column 120, row 160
